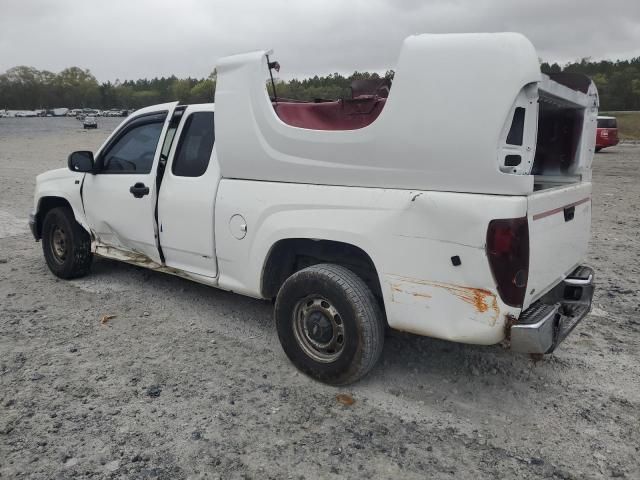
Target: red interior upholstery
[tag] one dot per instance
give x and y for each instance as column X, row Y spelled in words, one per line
column 349, row 114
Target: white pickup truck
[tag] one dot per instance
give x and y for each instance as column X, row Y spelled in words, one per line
column 456, row 204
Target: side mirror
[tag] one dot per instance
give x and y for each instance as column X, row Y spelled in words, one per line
column 81, row 161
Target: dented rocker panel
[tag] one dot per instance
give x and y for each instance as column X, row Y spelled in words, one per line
column 141, row 260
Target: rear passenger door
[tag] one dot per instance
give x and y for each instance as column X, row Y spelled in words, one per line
column 187, row 195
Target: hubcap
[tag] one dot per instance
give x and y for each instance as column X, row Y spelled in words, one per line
column 318, row 329
column 59, row 244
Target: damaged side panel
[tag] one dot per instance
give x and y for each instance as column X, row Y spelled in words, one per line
column 141, row 260
column 446, row 310
column 412, row 238
column 436, row 280
column 481, row 304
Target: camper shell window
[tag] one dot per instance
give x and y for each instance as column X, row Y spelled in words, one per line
column 368, row 98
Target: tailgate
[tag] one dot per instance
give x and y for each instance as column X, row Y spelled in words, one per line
column 559, row 230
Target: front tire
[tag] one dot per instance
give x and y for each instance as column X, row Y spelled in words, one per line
column 329, row 324
column 65, row 244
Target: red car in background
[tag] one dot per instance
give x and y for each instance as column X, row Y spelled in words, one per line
column 607, row 133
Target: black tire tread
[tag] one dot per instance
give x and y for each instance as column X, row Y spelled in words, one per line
column 367, row 311
column 80, row 242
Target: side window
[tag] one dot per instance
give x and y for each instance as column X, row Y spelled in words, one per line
column 171, row 132
column 195, row 146
column 168, row 140
column 134, row 151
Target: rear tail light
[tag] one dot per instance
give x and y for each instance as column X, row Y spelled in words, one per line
column 508, row 253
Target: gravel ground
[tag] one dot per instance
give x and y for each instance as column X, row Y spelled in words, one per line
column 190, row 382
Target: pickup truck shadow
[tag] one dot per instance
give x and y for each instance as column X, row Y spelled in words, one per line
column 408, row 361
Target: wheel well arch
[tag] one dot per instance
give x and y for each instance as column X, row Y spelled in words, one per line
column 45, row 204
column 290, row 255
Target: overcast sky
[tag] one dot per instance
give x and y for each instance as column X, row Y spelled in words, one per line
column 129, row 39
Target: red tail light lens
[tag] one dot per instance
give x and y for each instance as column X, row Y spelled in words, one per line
column 508, row 253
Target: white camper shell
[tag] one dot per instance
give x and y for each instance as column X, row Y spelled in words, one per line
column 444, row 126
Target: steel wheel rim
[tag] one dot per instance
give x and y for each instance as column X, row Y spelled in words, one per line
column 319, row 329
column 58, row 244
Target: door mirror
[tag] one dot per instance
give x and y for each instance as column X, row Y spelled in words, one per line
column 81, row 161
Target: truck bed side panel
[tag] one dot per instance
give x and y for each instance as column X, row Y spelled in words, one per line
column 411, row 236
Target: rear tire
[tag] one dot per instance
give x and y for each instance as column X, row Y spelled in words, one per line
column 329, row 324
column 598, row 149
column 65, row 244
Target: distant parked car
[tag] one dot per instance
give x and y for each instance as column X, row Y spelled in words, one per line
column 607, row 132
column 91, row 112
column 89, row 122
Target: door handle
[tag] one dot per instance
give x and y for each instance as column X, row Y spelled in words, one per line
column 139, row 190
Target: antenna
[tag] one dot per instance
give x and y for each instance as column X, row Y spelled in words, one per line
column 272, row 65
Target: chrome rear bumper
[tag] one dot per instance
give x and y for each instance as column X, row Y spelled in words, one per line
column 546, row 323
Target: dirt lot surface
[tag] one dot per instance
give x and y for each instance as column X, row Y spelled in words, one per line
column 190, row 382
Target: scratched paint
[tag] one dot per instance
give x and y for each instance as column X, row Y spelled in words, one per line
column 416, row 291
column 141, row 260
column 479, row 298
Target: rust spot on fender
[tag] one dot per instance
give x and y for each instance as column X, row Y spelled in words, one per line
column 483, row 301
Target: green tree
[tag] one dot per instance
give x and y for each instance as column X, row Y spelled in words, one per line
column 24, row 87
column 181, row 90
column 203, row 91
column 77, row 87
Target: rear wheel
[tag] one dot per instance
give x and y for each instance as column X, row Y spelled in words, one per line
column 598, row 149
column 65, row 244
column 329, row 323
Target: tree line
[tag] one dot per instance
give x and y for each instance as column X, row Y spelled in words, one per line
column 23, row 87
column 618, row 81
column 27, row 88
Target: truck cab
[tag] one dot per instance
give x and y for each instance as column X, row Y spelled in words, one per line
column 356, row 214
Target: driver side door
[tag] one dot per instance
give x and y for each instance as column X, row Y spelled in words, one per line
column 120, row 197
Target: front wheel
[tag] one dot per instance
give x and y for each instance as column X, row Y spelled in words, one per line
column 65, row 244
column 329, row 323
